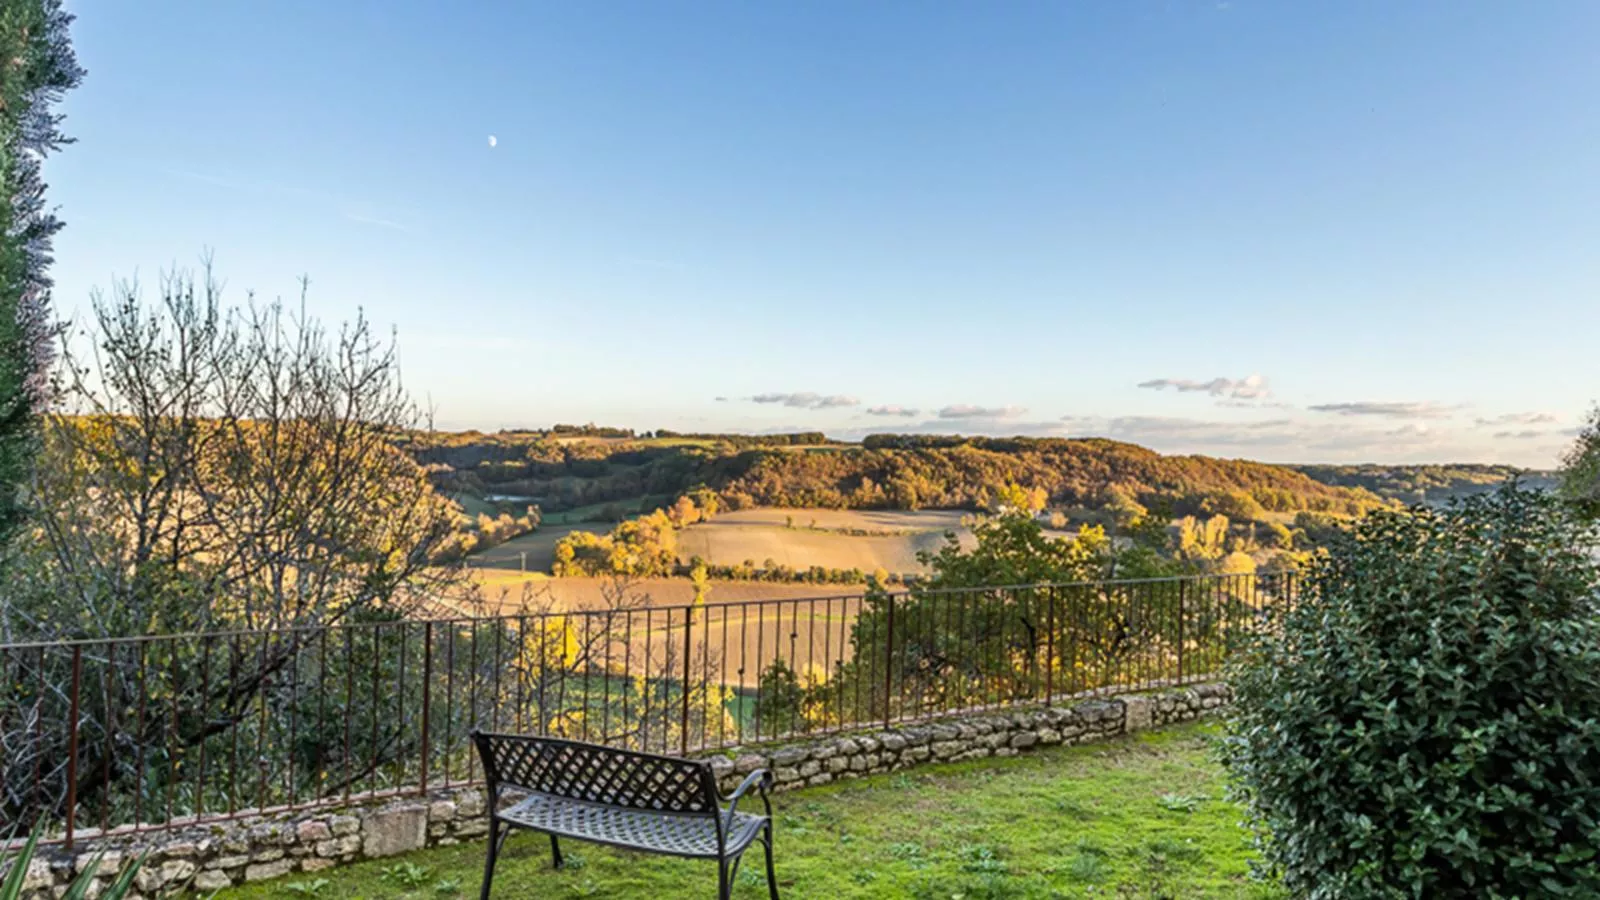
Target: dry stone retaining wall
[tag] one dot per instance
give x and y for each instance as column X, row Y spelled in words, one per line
column 206, row 858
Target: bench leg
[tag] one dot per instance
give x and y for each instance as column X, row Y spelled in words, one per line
column 496, row 838
column 772, row 877
column 555, row 852
column 724, row 883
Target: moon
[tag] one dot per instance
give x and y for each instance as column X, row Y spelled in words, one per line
column 492, row 140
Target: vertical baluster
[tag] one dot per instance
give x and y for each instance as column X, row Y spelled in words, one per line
column 705, row 677
column 519, row 661
column 888, row 666
column 377, row 656
column 347, row 775
column 427, row 705
column 605, row 708
column 449, row 701
column 561, row 676
column 205, row 722
column 586, row 678
column 1050, row 646
column 175, row 749
column 294, row 716
column 499, row 626
column 761, row 667
column 649, row 685
column 544, row 673
column 110, row 679
column 688, row 663
column 627, row 671
column 72, row 741
column 722, row 724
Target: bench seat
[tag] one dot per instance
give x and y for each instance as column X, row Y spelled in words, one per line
column 677, row 834
column 623, row 798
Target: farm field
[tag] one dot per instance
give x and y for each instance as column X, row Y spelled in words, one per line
column 539, row 546
column 504, row 589
column 799, row 538
column 837, row 539
column 804, row 623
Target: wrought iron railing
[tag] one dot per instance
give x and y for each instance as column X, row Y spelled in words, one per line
column 150, row 733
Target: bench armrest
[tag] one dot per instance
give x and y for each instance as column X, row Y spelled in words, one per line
column 761, row 780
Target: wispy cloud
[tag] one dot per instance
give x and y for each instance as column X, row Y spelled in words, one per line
column 1524, row 418
column 1282, row 438
column 1169, row 430
column 1531, row 434
column 1387, row 409
column 807, row 400
column 1286, row 438
column 968, row 411
column 1250, row 387
column 900, row 411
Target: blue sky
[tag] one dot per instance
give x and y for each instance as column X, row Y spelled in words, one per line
column 1286, row 231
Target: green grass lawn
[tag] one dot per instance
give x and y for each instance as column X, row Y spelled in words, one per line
column 1139, row 817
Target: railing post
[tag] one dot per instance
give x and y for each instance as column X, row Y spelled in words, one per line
column 1050, row 646
column 688, row 660
column 72, row 743
column 888, row 665
column 427, row 701
column 1182, row 585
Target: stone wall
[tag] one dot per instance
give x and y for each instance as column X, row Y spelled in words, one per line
column 205, row 858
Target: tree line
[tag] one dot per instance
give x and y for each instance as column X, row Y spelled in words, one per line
column 885, row 472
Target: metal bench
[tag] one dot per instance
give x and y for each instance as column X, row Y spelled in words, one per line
column 637, row 801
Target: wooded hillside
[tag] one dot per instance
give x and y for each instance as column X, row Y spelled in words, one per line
column 562, row 472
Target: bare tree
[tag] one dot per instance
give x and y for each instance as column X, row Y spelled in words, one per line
column 228, row 468
column 209, row 469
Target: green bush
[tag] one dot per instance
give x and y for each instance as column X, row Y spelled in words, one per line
column 780, row 701
column 1426, row 722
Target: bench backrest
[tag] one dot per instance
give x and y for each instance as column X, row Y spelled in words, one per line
column 578, row 771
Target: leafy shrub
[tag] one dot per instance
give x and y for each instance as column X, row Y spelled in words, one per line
column 779, row 700
column 1426, row 722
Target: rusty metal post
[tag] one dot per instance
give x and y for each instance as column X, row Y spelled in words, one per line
column 1050, row 646
column 427, row 701
column 688, row 653
column 888, row 666
column 1181, row 591
column 72, row 743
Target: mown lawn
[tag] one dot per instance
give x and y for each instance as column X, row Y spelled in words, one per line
column 1140, row 817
